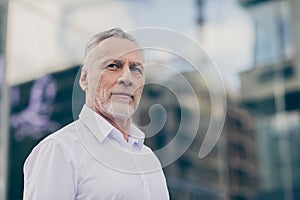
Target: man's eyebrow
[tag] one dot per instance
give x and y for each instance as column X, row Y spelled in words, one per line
column 121, row 62
column 134, row 63
column 118, row 61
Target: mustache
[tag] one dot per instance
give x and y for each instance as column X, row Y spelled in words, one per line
column 123, row 94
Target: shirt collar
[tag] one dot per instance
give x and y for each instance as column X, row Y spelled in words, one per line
column 102, row 128
column 136, row 135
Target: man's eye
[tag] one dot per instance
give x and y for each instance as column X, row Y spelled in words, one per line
column 113, row 66
column 136, row 69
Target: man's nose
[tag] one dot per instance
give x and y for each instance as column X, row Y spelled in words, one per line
column 126, row 78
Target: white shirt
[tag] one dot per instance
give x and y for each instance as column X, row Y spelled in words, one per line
column 90, row 160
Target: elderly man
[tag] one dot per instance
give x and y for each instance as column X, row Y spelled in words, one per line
column 101, row 155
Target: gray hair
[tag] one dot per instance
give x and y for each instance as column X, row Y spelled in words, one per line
column 97, row 38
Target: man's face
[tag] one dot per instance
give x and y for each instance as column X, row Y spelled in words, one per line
column 113, row 78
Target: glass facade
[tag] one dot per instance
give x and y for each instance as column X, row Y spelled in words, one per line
column 275, row 105
column 272, row 32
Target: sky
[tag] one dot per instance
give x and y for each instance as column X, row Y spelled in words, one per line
column 229, row 38
column 47, row 36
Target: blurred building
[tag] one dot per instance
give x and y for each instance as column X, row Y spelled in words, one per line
column 37, row 109
column 277, row 126
column 229, row 171
column 241, row 145
column 271, row 91
column 3, row 99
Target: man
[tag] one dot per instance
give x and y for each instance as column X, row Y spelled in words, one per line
column 101, row 155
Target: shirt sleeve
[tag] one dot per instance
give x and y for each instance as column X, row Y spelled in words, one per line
column 49, row 173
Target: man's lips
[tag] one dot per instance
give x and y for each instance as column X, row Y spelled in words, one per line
column 123, row 94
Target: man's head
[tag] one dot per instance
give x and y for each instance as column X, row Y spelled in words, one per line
column 113, row 75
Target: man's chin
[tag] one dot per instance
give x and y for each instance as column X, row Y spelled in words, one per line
column 121, row 111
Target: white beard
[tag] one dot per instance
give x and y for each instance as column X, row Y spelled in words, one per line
column 119, row 109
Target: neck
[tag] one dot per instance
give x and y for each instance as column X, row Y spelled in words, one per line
column 123, row 125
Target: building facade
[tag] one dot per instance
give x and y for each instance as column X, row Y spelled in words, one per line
column 271, row 91
column 229, row 171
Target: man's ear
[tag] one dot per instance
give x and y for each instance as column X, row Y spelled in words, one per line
column 83, row 79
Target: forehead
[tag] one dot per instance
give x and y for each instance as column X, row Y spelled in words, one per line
column 117, row 48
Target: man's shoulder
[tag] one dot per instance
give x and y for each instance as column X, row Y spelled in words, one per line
column 68, row 130
column 64, row 140
column 146, row 149
column 66, row 135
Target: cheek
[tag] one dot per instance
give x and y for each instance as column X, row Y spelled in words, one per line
column 140, row 86
column 100, row 90
column 94, row 85
column 103, row 89
column 139, row 90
